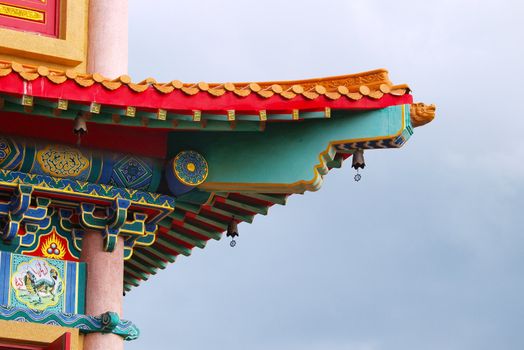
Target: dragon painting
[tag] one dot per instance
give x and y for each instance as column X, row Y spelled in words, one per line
column 35, row 287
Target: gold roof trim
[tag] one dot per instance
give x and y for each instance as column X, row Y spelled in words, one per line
column 373, row 84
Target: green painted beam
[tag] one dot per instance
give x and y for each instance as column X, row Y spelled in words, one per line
column 246, row 218
column 136, row 264
column 212, row 222
column 243, row 206
column 131, row 281
column 173, row 246
column 195, row 197
column 179, row 216
column 196, row 210
column 157, row 263
column 168, row 257
column 286, row 157
column 186, row 238
column 144, row 276
column 176, row 215
column 312, row 115
column 336, row 163
column 276, row 199
column 165, row 223
column 206, row 233
column 48, row 109
column 192, row 208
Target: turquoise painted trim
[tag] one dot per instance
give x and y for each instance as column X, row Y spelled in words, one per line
column 108, row 322
column 28, row 159
column 81, row 292
column 156, row 178
column 95, row 170
column 285, row 153
column 394, row 142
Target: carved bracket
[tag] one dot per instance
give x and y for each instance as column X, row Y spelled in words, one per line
column 19, row 210
column 113, row 224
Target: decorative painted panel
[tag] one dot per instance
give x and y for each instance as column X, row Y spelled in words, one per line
column 62, row 161
column 51, row 239
column 42, row 284
column 80, row 164
column 38, row 16
column 36, row 283
column 10, row 153
column 133, row 172
column 186, row 171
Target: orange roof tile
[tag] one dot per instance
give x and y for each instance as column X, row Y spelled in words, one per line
column 373, row 84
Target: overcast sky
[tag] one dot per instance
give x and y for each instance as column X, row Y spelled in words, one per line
column 426, row 252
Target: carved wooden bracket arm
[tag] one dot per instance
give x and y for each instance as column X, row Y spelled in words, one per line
column 19, row 210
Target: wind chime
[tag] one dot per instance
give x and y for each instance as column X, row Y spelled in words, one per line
column 358, row 163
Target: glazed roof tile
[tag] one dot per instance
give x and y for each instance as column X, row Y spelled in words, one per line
column 373, row 84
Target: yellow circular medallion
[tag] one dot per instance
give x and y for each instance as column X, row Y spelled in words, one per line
column 190, row 168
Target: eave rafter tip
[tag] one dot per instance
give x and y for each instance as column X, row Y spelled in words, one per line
column 422, row 114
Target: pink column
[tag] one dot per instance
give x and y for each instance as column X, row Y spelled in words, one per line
column 108, row 37
column 107, row 55
column 104, row 288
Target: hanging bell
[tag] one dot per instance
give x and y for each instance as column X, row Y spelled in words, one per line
column 80, row 126
column 232, row 231
column 358, row 159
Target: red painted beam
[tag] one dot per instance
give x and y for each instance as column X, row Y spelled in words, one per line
column 135, row 140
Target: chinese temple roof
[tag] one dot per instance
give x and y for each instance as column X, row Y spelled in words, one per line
column 35, row 98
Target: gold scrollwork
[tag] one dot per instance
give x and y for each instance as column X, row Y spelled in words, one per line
column 62, row 161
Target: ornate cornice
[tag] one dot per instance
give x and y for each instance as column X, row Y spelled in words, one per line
column 85, row 189
column 130, row 214
column 108, row 322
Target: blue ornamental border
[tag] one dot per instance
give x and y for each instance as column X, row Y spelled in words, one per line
column 86, row 189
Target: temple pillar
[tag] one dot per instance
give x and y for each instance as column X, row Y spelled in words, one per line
column 108, row 37
column 104, row 287
column 108, row 55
